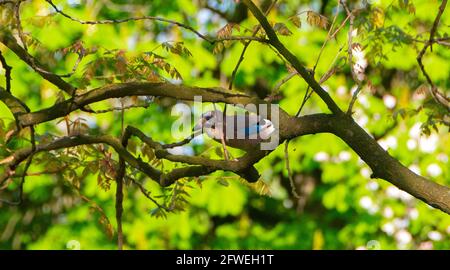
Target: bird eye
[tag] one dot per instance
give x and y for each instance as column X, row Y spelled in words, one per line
column 207, row 116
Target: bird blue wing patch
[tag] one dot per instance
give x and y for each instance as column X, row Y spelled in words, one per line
column 252, row 130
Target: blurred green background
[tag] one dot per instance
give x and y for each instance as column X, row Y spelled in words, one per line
column 341, row 207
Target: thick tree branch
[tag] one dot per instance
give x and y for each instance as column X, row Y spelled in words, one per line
column 119, row 193
column 164, row 179
column 179, row 92
column 386, row 167
column 66, row 142
column 383, row 165
column 243, row 166
column 7, row 69
column 15, row 105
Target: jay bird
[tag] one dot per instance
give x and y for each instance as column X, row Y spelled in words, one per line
column 244, row 131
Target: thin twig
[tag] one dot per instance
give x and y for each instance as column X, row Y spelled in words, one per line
column 23, row 40
column 443, row 43
column 74, row 67
column 10, row 41
column 114, row 21
column 350, row 57
column 146, row 193
column 332, row 69
column 52, row 77
column 27, row 166
column 222, row 137
column 306, row 96
column 435, row 93
column 434, row 40
column 292, row 59
column 350, row 40
column 38, row 173
column 224, row 145
column 436, row 23
column 19, row 25
column 354, row 97
column 329, row 37
column 183, row 142
column 309, row 91
column 246, row 44
column 119, row 189
column 283, row 81
column 340, row 27
column 241, row 58
column 242, row 38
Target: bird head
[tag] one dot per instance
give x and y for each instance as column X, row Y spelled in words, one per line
column 207, row 120
column 266, row 128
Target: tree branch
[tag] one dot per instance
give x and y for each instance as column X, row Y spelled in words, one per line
column 152, row 18
column 179, row 92
column 439, row 97
column 243, row 166
column 15, row 105
column 246, row 39
column 383, row 165
column 7, row 69
column 65, row 142
column 119, row 192
column 353, row 100
column 9, row 41
column 275, row 42
column 244, row 50
column 386, row 167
